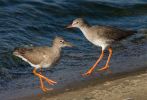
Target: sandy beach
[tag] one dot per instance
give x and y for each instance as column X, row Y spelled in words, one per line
column 129, row 86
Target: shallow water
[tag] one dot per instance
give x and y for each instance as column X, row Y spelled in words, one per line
column 37, row 22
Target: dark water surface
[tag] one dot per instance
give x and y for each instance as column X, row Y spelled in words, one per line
column 37, row 22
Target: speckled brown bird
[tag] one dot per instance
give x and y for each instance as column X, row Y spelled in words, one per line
column 42, row 57
column 103, row 36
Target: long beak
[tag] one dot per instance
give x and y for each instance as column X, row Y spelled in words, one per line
column 69, row 26
column 68, row 44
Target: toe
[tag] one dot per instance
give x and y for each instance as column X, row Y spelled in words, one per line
column 51, row 82
column 104, row 68
column 87, row 73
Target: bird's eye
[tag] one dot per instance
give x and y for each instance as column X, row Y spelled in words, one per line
column 77, row 22
column 62, row 41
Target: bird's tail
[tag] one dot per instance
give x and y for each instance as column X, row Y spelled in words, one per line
column 137, row 31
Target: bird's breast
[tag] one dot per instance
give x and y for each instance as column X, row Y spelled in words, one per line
column 96, row 39
column 51, row 61
column 93, row 39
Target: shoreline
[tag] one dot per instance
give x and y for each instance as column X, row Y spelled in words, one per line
column 121, row 86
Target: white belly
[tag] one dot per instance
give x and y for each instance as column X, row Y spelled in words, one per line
column 46, row 65
column 97, row 41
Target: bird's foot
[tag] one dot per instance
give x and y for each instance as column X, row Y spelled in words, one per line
column 44, row 89
column 106, row 67
column 51, row 82
column 87, row 73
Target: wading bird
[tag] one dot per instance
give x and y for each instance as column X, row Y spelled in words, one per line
column 42, row 57
column 103, row 36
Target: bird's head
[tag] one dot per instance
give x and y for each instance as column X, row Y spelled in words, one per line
column 60, row 42
column 79, row 22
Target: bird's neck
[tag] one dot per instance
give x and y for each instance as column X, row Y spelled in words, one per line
column 56, row 48
column 84, row 28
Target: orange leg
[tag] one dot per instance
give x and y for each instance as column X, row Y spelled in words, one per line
column 107, row 63
column 51, row 82
column 93, row 67
column 44, row 89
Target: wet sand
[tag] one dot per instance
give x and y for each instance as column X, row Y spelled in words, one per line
column 126, row 86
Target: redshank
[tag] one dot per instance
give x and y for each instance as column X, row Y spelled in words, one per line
column 103, row 36
column 42, row 57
